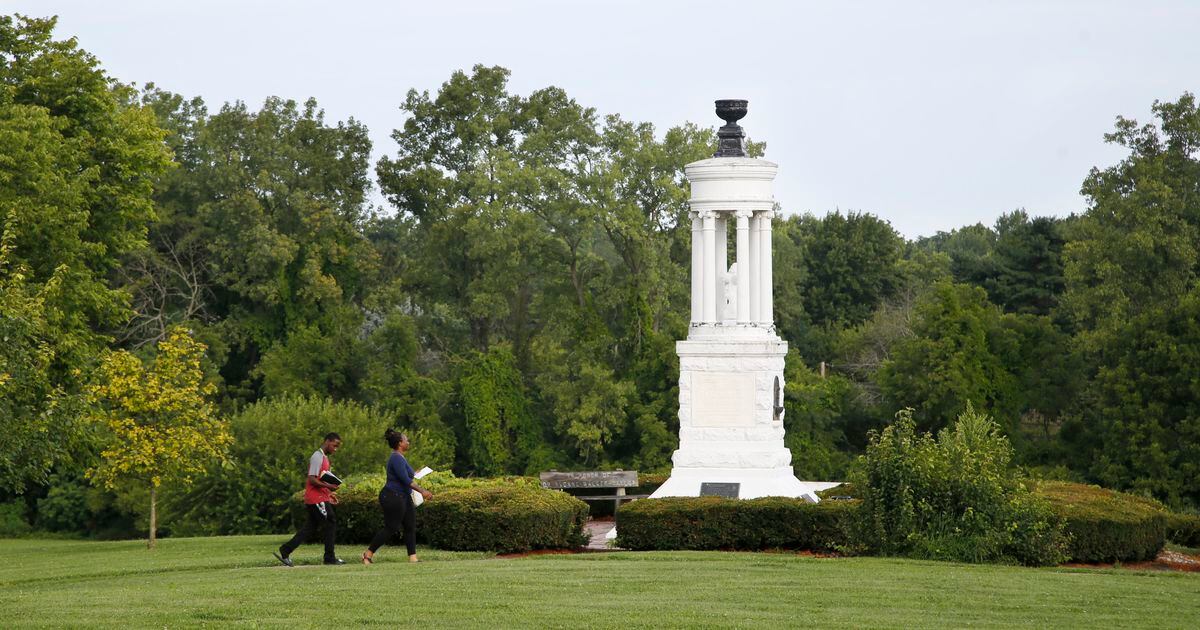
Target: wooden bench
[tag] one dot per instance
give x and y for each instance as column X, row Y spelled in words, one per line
column 619, row 479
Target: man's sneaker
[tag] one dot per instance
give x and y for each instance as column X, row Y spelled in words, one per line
column 334, row 561
column 286, row 560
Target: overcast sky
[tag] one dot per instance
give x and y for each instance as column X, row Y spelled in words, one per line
column 930, row 115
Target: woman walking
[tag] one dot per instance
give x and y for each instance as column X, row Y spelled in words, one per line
column 396, row 500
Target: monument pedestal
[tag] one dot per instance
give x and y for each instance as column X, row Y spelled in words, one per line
column 731, row 417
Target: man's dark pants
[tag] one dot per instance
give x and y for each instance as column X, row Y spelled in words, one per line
column 319, row 514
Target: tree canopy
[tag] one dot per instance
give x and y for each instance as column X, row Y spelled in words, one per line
column 515, row 303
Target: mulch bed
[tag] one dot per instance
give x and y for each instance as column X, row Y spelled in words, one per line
column 1166, row 561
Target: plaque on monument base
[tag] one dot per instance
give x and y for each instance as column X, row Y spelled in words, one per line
column 727, row 490
column 750, row 484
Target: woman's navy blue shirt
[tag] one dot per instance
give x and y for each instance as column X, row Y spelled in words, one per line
column 399, row 474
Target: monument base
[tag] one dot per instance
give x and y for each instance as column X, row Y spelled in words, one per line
column 751, row 484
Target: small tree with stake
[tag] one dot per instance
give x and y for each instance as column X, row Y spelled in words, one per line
column 162, row 425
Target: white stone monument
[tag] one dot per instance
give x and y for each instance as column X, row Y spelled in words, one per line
column 731, row 364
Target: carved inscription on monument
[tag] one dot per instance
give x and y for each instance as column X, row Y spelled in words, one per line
column 722, row 399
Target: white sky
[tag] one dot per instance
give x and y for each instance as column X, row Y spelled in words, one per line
column 931, row 115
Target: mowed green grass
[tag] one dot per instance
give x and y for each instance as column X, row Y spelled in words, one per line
column 234, row 582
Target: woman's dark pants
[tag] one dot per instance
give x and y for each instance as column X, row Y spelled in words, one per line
column 398, row 513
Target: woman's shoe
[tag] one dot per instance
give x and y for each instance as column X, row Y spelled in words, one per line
column 367, row 559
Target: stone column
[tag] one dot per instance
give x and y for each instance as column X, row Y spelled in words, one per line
column 755, row 269
column 710, row 265
column 743, row 266
column 766, row 311
column 697, row 269
column 722, row 263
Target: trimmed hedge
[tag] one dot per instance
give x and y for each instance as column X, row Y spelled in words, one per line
column 648, row 483
column 720, row 523
column 504, row 519
column 504, row 514
column 1105, row 525
column 842, row 490
column 1184, row 529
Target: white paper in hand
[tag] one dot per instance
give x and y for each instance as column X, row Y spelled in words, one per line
column 417, row 499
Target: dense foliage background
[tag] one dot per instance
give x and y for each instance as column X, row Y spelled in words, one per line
column 515, row 304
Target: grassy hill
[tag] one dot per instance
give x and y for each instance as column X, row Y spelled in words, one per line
column 234, row 582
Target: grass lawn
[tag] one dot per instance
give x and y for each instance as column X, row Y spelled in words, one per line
column 234, row 581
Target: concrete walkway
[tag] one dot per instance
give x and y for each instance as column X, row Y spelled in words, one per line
column 597, row 532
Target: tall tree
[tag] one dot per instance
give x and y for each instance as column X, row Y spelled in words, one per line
column 852, row 266
column 1138, row 244
column 260, row 243
column 1131, row 283
column 531, row 224
column 78, row 161
column 1027, row 271
column 457, row 175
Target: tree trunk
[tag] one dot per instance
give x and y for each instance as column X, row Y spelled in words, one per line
column 153, row 516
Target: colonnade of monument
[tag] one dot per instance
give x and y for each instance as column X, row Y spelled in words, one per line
column 752, row 304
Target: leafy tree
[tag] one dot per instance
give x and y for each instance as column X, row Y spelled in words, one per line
column 952, row 358
column 457, row 176
column 852, row 266
column 590, row 404
column 321, row 358
column 1131, row 272
column 162, row 424
column 830, row 273
column 1019, row 261
column 528, row 223
column 790, row 278
column 78, row 160
column 501, row 434
column 1047, row 378
column 1148, row 404
column 260, row 237
column 970, row 250
column 1137, row 247
column 393, row 383
column 1027, row 269
column 816, row 410
column 32, row 406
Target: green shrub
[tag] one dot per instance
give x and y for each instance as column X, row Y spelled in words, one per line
column 273, row 440
column 504, row 519
column 504, row 514
column 955, row 497
column 1105, row 525
column 74, row 506
column 65, row 506
column 12, row 520
column 750, row 524
column 1184, row 529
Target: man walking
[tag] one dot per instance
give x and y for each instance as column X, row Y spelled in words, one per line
column 318, row 503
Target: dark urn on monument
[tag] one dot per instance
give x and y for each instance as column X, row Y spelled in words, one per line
column 731, row 137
